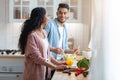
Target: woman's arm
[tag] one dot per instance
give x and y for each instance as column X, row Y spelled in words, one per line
column 72, row 51
column 53, row 60
column 49, row 64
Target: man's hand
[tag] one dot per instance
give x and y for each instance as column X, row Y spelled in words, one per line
column 58, row 50
column 76, row 51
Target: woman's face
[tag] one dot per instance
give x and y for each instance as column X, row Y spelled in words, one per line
column 45, row 21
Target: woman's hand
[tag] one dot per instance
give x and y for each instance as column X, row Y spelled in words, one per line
column 62, row 63
column 60, row 67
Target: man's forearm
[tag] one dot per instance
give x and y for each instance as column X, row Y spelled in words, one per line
column 69, row 51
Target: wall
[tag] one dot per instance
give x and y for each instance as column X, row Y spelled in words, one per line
column 80, row 33
column 2, row 23
column 9, row 32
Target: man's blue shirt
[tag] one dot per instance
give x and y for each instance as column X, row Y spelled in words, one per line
column 53, row 35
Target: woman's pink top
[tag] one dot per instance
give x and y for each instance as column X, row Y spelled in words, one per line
column 35, row 58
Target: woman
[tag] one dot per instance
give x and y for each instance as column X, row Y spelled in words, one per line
column 34, row 44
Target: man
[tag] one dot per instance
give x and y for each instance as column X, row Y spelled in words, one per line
column 56, row 30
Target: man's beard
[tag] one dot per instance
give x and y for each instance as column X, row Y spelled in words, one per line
column 61, row 21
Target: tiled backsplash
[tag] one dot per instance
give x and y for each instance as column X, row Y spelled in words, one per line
column 80, row 33
column 9, row 36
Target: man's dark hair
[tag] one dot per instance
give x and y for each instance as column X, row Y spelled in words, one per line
column 63, row 5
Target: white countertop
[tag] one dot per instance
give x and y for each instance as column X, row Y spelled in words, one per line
column 59, row 75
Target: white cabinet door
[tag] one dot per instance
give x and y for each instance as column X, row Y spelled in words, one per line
column 49, row 5
column 8, row 76
column 19, row 10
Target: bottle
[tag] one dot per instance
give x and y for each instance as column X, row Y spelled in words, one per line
column 87, row 53
column 17, row 14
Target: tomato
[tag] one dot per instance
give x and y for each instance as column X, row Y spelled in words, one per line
column 69, row 73
column 79, row 69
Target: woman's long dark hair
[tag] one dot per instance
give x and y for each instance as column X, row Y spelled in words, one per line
column 34, row 22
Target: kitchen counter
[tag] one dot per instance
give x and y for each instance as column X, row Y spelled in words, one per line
column 59, row 75
column 11, row 56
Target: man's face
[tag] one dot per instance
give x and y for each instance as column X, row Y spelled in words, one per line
column 62, row 15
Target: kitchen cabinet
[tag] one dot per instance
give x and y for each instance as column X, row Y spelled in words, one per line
column 11, row 67
column 49, row 5
column 11, row 76
column 19, row 10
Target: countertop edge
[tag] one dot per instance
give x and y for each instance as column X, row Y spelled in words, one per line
column 12, row 56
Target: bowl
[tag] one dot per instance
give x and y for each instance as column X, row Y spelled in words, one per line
column 72, row 56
